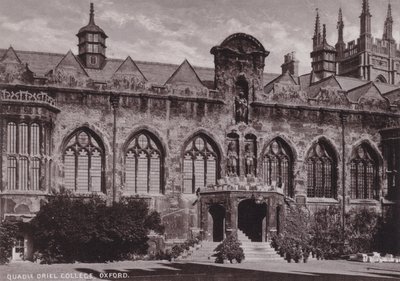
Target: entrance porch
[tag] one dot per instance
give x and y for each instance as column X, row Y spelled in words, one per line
column 257, row 214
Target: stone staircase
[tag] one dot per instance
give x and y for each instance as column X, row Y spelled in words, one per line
column 253, row 251
column 203, row 253
column 257, row 251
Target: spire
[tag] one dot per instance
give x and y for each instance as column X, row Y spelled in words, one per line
column 340, row 45
column 340, row 26
column 388, row 27
column 389, row 12
column 317, row 30
column 365, row 20
column 324, row 33
column 365, row 7
column 91, row 18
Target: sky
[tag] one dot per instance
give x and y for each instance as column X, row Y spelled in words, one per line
column 173, row 30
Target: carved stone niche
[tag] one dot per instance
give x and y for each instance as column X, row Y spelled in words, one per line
column 250, row 152
column 232, row 155
column 239, row 54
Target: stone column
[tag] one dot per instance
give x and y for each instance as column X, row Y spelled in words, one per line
column 271, row 213
column 114, row 101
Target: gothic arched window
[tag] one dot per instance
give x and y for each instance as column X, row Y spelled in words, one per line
column 277, row 166
column 321, row 171
column 143, row 165
column 200, row 164
column 83, row 163
column 364, row 180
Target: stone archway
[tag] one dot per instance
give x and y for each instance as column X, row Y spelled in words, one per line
column 252, row 219
column 217, row 213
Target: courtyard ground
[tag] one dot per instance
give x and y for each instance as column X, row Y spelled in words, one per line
column 182, row 271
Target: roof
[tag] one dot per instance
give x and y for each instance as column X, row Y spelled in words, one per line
column 91, row 26
column 285, row 78
column 155, row 72
column 185, row 74
column 348, row 83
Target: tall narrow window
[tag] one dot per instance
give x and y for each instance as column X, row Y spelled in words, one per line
column 11, row 138
column 200, row 164
column 12, row 173
column 35, row 144
column 143, row 164
column 35, row 174
column 277, row 166
column 364, row 180
column 321, row 171
column 23, row 173
column 83, row 163
column 23, row 138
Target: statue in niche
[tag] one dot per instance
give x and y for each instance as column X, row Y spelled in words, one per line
column 241, row 106
column 249, row 158
column 232, row 159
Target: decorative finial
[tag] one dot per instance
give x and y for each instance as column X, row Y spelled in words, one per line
column 389, row 12
column 91, row 19
column 365, row 7
column 324, row 33
column 317, row 30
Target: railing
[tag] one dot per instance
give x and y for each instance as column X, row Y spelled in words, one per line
column 26, row 96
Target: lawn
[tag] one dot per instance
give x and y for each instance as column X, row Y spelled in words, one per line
column 182, row 271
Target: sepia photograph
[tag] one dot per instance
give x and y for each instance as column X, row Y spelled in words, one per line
column 213, row 140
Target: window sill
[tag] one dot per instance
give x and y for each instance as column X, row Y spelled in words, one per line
column 141, row 195
column 24, row 192
column 364, row 201
column 321, row 200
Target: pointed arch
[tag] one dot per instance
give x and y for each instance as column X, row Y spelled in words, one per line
column 380, row 79
column 144, row 163
column 84, row 161
column 321, row 163
column 364, row 172
column 277, row 165
column 201, row 162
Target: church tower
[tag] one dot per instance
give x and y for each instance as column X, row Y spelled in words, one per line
column 92, row 43
column 323, row 55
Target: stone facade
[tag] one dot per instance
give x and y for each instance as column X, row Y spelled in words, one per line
column 367, row 58
column 204, row 146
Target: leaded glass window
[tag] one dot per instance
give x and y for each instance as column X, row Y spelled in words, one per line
column 143, row 165
column 277, row 166
column 364, row 180
column 83, row 163
column 321, row 171
column 200, row 162
column 24, row 155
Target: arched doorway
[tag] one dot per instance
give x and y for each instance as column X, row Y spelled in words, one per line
column 217, row 213
column 251, row 215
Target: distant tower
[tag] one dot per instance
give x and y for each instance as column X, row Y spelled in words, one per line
column 92, row 43
column 340, row 45
column 323, row 55
column 317, row 32
column 365, row 27
column 388, row 27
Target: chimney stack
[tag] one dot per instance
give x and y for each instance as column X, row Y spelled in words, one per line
column 290, row 64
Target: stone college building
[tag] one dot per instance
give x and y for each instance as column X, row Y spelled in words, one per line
column 214, row 150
